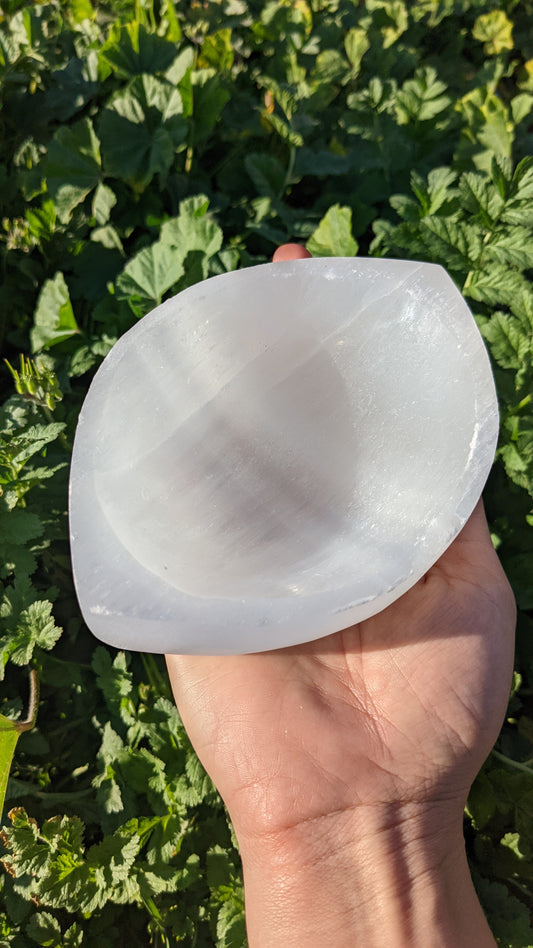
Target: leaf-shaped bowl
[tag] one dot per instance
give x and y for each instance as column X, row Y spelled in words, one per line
column 277, row 453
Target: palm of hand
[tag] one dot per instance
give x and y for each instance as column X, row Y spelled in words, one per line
column 401, row 708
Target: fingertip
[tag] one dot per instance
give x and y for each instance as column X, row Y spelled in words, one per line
column 290, row 252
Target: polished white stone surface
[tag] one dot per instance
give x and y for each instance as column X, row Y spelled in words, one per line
column 278, row 453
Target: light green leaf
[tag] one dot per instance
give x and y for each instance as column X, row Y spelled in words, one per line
column 148, row 276
column 495, row 30
column 508, row 343
column 521, row 107
column 231, row 930
column 356, row 44
column 217, row 51
column 54, row 320
column 194, row 237
column 10, row 732
column 104, row 201
column 9, row 736
column 333, row 236
column 25, row 629
column 42, row 221
column 72, row 166
column 422, row 98
column 80, row 10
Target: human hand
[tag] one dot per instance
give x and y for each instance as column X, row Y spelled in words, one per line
column 345, row 763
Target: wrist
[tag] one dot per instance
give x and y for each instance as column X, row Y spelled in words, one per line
column 371, row 876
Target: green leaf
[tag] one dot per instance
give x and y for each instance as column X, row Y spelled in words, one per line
column 54, row 320
column 42, row 221
column 433, row 192
column 26, row 623
column 132, row 50
column 148, row 276
column 115, row 682
column 508, row 917
column 267, row 174
column 209, row 99
column 455, row 244
column 193, row 229
column 480, row 198
column 495, row 30
column 487, row 127
column 496, row 285
column 356, row 44
column 80, row 10
column 17, row 529
column 9, row 736
column 141, row 130
column 10, row 732
column 330, row 67
column 333, row 236
column 422, row 98
column 217, row 51
column 515, row 248
column 507, row 340
column 231, row 930
column 44, row 929
column 72, row 166
column 104, row 201
column 521, row 107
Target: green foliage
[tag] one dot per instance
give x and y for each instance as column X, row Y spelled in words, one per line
column 147, row 146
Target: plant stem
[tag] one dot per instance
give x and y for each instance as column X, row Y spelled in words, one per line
column 512, row 763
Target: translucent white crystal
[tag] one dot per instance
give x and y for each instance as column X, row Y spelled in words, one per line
column 277, row 453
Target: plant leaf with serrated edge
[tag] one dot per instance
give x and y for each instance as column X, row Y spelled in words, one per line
column 132, row 50
column 480, row 198
column 72, row 166
column 44, row 929
column 194, row 229
column 26, row 623
column 141, row 129
column 148, row 276
column 333, row 236
column 507, row 341
column 54, row 319
column 231, row 932
column 103, row 202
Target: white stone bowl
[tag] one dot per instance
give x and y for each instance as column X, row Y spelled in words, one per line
column 278, row 453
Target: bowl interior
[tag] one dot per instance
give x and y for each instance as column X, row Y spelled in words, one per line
column 293, row 430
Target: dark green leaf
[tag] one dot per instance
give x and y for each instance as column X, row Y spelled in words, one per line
column 141, row 130
column 131, row 50
column 72, row 166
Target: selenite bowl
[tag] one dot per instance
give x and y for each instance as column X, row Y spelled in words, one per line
column 277, row 453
